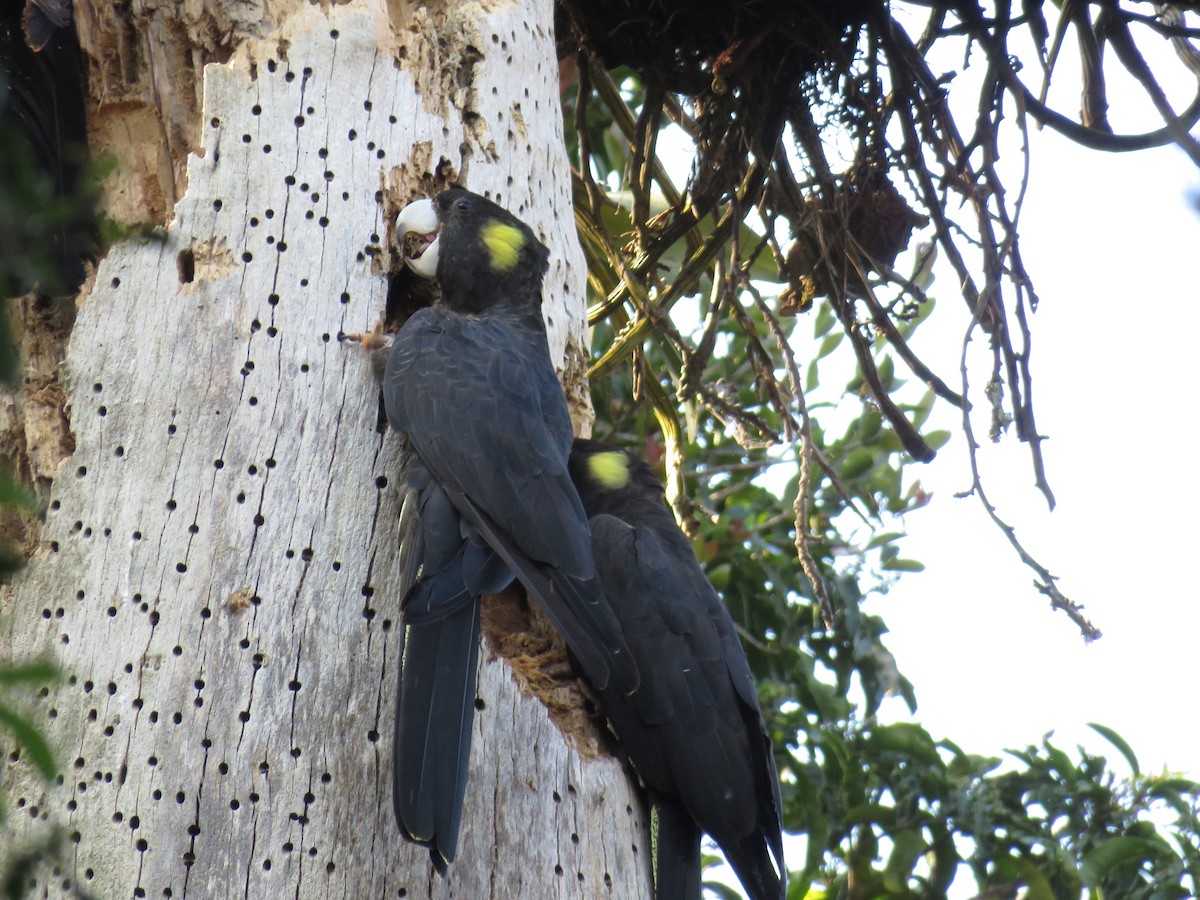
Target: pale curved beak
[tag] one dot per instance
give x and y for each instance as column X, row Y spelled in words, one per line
column 419, row 217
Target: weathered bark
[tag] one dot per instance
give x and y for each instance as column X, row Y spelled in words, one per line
column 216, row 572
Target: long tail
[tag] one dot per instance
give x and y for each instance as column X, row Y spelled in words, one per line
column 675, row 841
column 752, row 859
column 435, row 708
column 757, row 857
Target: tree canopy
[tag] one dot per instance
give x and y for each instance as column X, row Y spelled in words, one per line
column 831, row 128
column 834, row 158
column 830, row 167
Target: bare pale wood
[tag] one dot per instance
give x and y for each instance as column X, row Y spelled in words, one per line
column 217, row 571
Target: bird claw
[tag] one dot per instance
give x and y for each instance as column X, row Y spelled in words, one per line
column 375, row 339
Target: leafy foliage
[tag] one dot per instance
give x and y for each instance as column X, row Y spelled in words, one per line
column 752, row 335
column 824, row 137
column 906, row 813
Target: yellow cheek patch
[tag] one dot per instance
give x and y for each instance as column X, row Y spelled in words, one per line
column 504, row 244
column 610, row 469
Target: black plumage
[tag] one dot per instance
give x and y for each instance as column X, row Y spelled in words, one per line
column 487, row 495
column 693, row 729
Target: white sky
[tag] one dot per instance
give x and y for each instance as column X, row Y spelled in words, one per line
column 1112, row 242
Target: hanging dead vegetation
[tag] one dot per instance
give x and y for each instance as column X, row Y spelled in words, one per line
column 828, row 123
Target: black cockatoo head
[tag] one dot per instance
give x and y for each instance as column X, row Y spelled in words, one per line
column 481, row 254
column 615, row 482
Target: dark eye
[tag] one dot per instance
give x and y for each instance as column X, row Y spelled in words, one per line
column 462, row 204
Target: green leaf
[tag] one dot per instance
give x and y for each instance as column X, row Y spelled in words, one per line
column 904, row 565
column 37, row 750
column 1036, row 885
column 836, row 750
column 907, row 847
column 616, row 149
column 1119, row 742
column 972, row 765
column 1184, row 785
column 859, row 462
column 829, row 344
column 938, row 439
column 719, row 576
column 869, row 424
column 1117, row 852
column 29, row 673
column 801, row 888
column 724, row 891
column 907, row 738
column 884, row 538
column 1061, row 762
column 889, row 442
column 824, row 320
column 887, row 372
column 871, row 813
column 924, row 407
column 13, row 493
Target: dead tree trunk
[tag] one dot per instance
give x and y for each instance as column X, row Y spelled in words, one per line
column 216, row 570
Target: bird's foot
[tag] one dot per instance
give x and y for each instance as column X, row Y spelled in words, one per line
column 375, row 339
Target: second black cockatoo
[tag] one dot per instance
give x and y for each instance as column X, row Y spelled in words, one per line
column 693, row 729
